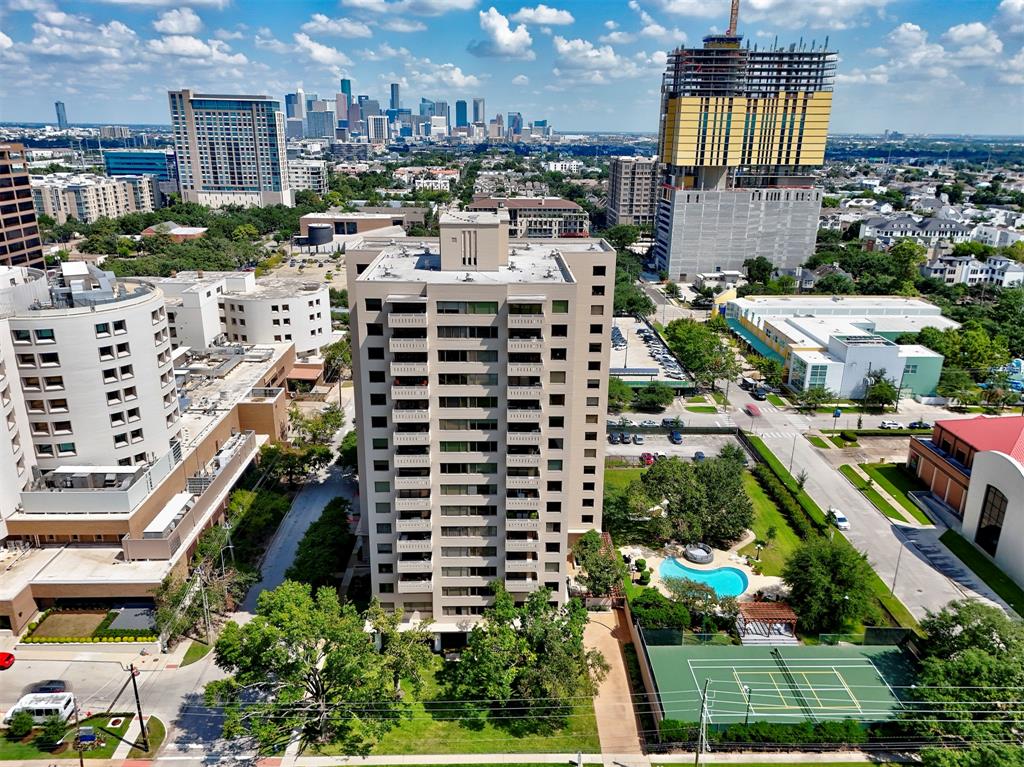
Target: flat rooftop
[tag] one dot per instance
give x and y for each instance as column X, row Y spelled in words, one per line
column 530, row 262
column 87, row 565
column 844, row 305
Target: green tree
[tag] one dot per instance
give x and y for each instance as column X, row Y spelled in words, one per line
column 21, row 724
column 957, row 385
column 672, row 289
column 621, row 236
column 770, row 368
column 303, row 664
column 348, row 451
column 324, row 548
column 835, row 284
column 697, row 598
column 338, row 359
column 906, row 257
column 829, row 584
column 984, row 755
column 759, row 269
column 245, row 233
column 602, row 567
column 880, row 391
column 655, row 396
column 620, row 395
column 654, row 610
column 405, row 651
column 813, row 397
column 54, row 729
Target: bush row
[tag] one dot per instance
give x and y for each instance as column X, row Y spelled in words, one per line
column 141, row 637
column 840, row 732
column 802, row 522
column 876, row 433
column 816, row 515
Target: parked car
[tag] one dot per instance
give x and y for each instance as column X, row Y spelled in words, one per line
column 51, row 686
column 838, row 518
column 638, row 439
column 626, row 437
column 649, row 424
column 613, row 438
column 675, row 438
column 699, row 456
column 748, row 384
column 661, row 455
column 672, row 423
column 752, row 410
column 6, row 660
column 760, row 394
column 646, row 458
column 891, row 425
column 919, row 425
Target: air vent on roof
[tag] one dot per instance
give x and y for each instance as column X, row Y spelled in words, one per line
column 513, row 252
column 468, row 277
column 549, row 274
column 386, row 270
column 512, row 266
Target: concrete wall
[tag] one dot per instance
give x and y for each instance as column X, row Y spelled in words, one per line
column 1007, row 475
column 924, row 381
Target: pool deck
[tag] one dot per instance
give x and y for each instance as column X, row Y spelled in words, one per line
column 729, row 558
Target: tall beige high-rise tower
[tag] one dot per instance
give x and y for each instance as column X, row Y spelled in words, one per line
column 481, row 369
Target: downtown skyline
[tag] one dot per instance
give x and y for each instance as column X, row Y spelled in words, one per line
column 908, row 65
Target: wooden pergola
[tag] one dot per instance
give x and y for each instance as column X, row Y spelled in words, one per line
column 766, row 616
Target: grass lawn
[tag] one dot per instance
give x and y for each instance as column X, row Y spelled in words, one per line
column 157, row 732
column 13, row 749
column 196, row 651
column 776, row 400
column 985, row 569
column 817, row 441
column 838, row 441
column 767, row 514
column 67, row 624
column 111, row 735
column 718, row 397
column 816, row 764
column 898, row 482
column 702, row 408
column 697, row 398
column 424, row 732
column 615, row 479
column 870, row 493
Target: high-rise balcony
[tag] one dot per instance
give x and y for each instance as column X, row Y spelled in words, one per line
column 408, row 345
column 524, row 392
column 412, row 504
column 412, row 483
column 418, row 586
column 409, row 368
column 526, row 320
column 413, row 545
column 518, row 460
column 525, row 369
column 522, row 565
column 521, row 525
column 414, row 525
column 410, row 416
column 524, row 415
column 410, row 392
column 523, row 438
column 526, row 345
column 519, row 585
column 414, row 565
column 399, row 320
column 522, row 504
column 411, row 437
column 414, row 461
column 522, row 483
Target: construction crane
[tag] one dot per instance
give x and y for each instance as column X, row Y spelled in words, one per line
column 734, row 18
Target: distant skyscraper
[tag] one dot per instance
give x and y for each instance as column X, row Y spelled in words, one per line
column 632, row 190
column 377, row 129
column 741, row 131
column 461, row 114
column 62, row 115
column 515, row 123
column 230, row 149
column 479, row 112
column 291, row 101
column 300, row 104
column 426, row 108
column 20, row 244
column 320, row 124
column 396, row 102
column 345, row 86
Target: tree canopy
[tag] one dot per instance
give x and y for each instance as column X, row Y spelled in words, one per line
column 829, row 584
column 602, row 567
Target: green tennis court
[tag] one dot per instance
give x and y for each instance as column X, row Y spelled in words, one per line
column 785, row 684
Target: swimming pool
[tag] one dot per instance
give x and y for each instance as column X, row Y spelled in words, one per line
column 726, row 581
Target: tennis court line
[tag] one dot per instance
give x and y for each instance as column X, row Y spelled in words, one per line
column 886, row 683
column 853, row 698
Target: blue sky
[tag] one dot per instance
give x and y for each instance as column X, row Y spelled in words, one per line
column 938, row 66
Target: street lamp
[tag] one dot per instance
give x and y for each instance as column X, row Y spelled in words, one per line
column 892, row 588
column 746, row 691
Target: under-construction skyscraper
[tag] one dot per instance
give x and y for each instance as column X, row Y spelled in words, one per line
column 741, row 131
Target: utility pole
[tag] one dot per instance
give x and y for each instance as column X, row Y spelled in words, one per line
column 138, row 707
column 702, row 731
column 792, row 453
column 892, row 588
column 78, row 737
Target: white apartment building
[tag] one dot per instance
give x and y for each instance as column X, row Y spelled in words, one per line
column 308, row 174
column 966, row 270
column 481, row 369
column 87, row 197
column 230, row 149
column 377, row 129
column 996, row 236
column 204, row 308
column 632, row 190
column 563, row 166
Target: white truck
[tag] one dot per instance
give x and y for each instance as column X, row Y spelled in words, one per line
column 43, row 705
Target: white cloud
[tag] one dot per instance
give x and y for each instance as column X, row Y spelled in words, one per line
column 611, row 24
column 5, row 42
column 502, row 40
column 320, row 53
column 228, row 34
column 418, row 7
column 113, row 42
column 543, row 14
column 521, row 80
column 164, row 3
column 339, row 27
column 1012, row 11
column 874, row 76
column 975, row 43
column 202, row 52
column 403, row 25
column 618, row 37
column 792, row 14
column 426, row 75
column 179, row 21
column 384, row 51
column 1013, row 70
column 265, row 40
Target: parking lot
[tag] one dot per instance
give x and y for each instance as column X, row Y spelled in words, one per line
column 635, row 348
column 310, row 271
column 709, row 444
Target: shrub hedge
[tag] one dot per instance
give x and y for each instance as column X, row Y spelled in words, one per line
column 840, row 732
column 797, row 516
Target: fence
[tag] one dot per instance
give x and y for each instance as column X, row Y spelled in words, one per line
column 873, row 635
column 678, row 637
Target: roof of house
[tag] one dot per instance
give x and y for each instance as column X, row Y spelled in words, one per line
column 1004, row 434
column 489, row 203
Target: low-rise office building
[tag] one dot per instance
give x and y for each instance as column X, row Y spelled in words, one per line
column 204, row 308
column 837, row 341
column 364, row 220
column 974, row 469
column 87, row 197
column 537, row 217
column 308, row 174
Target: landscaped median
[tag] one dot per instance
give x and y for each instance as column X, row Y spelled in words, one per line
column 816, row 521
column 898, row 482
column 870, row 493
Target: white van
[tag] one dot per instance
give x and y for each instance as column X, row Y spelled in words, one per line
column 43, row 705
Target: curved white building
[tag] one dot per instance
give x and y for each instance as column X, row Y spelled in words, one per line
column 92, row 356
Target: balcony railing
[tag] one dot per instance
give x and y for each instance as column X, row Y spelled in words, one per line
column 410, row 392
column 410, row 416
column 522, row 525
column 412, row 461
column 412, row 437
column 524, row 416
column 412, row 483
column 413, row 546
column 417, row 525
column 525, row 369
column 522, row 504
column 523, row 438
column 529, row 459
column 414, row 565
column 409, row 368
column 517, row 585
column 524, row 392
column 396, row 320
column 525, row 345
column 522, row 565
column 525, row 320
column 521, row 483
column 412, row 504
column 408, row 345
column 415, row 587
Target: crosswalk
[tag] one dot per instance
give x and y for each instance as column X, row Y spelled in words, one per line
column 775, row 434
